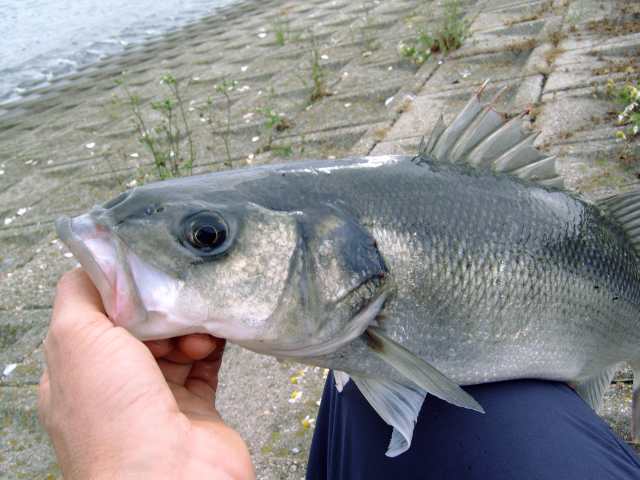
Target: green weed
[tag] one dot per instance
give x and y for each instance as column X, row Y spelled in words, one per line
column 273, row 122
column 164, row 138
column 628, row 97
column 449, row 36
column 224, row 89
column 281, row 29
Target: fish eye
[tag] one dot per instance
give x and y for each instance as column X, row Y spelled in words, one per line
column 206, row 232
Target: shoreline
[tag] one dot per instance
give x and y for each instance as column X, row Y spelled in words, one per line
column 57, row 82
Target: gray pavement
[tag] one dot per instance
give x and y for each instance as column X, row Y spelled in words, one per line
column 71, row 145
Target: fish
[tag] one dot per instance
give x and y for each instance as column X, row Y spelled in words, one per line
column 466, row 263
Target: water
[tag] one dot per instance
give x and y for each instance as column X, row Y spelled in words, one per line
column 44, row 39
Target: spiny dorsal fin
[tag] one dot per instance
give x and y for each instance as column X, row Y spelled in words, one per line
column 482, row 137
column 624, row 209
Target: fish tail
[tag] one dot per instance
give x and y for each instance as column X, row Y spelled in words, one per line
column 624, row 209
column 635, row 401
column 484, row 138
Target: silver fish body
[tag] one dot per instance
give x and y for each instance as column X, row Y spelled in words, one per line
column 410, row 275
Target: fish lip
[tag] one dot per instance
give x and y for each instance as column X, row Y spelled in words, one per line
column 66, row 233
column 123, row 309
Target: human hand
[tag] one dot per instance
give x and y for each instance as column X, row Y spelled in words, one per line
column 113, row 411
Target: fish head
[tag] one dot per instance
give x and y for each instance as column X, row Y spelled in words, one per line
column 169, row 262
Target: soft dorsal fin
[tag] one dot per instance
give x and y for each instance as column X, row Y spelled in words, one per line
column 624, row 209
column 482, row 137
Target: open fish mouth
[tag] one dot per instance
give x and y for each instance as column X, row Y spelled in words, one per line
column 101, row 253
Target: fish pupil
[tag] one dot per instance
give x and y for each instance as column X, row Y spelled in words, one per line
column 208, row 236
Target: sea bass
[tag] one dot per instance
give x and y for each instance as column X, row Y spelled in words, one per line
column 467, row 263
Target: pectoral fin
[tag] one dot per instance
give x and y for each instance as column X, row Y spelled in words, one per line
column 341, row 379
column 398, row 405
column 418, row 371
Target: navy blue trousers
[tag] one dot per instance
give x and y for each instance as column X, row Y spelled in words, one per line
column 531, row 430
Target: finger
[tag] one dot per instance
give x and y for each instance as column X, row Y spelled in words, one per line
column 206, row 371
column 77, row 304
column 176, row 356
column 44, row 397
column 174, row 372
column 201, row 390
column 76, row 290
column 197, row 346
column 159, row 348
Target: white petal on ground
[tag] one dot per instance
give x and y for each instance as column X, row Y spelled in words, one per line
column 388, row 101
column 295, row 396
column 9, row 369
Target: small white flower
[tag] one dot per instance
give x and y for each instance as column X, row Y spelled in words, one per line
column 90, row 145
column 255, row 139
column 247, row 116
column 196, row 79
column 331, row 157
column 68, row 255
column 132, row 183
column 21, row 211
column 9, row 220
column 1, row 172
column 295, row 396
column 347, row 105
column 262, row 35
column 49, row 162
column 390, row 68
column 388, row 101
column 250, row 156
column 134, row 155
column 324, row 57
column 8, row 370
column 295, row 450
column 345, row 74
column 244, row 68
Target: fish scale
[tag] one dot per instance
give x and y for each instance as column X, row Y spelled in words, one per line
column 410, row 275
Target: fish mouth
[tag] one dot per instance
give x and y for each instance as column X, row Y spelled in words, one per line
column 101, row 253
